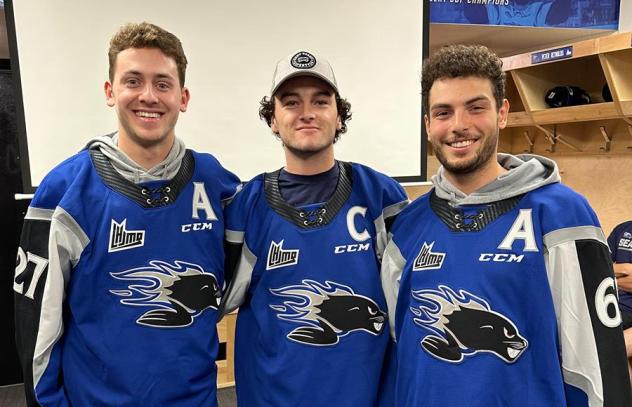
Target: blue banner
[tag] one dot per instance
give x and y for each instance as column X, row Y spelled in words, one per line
column 595, row 14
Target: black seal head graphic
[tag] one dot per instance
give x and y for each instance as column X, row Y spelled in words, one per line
column 178, row 292
column 463, row 325
column 327, row 312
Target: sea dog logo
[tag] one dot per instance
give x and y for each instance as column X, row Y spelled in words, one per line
column 463, row 324
column 178, row 293
column 326, row 312
column 427, row 259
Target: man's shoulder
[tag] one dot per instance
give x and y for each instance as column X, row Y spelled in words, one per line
column 206, row 161
column 412, row 214
column 557, row 198
column 559, row 207
column 60, row 179
column 209, row 169
column 622, row 227
column 249, row 192
column 367, row 173
column 557, row 190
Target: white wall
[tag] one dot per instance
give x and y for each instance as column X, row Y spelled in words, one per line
column 625, row 15
column 232, row 46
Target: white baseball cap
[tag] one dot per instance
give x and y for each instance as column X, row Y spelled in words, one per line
column 303, row 63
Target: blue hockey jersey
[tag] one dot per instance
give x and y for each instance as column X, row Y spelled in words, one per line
column 118, row 285
column 311, row 327
column 508, row 301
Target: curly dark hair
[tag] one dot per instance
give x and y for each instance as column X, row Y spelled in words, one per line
column 456, row 61
column 146, row 35
column 266, row 112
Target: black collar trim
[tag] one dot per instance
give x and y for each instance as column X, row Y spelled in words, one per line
column 309, row 219
column 458, row 221
column 145, row 197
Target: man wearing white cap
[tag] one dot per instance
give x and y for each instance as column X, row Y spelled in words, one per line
column 306, row 242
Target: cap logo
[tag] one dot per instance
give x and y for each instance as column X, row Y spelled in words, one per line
column 303, row 60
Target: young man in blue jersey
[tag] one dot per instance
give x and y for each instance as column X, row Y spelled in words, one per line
column 120, row 266
column 620, row 243
column 306, row 242
column 498, row 281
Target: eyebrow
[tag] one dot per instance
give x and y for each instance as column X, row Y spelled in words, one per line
column 290, row 93
column 478, row 99
column 159, row 76
column 286, row 94
column 467, row 102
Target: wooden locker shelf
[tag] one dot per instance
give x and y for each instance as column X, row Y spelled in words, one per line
column 535, row 127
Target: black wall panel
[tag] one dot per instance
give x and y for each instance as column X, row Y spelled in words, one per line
column 11, row 216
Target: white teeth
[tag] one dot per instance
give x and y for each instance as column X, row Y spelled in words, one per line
column 148, row 114
column 462, row 143
column 377, row 326
column 512, row 352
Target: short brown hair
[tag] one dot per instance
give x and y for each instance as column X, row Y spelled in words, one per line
column 146, row 35
column 456, row 61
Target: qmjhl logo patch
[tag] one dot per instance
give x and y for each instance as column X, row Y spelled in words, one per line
column 279, row 257
column 427, row 259
column 123, row 239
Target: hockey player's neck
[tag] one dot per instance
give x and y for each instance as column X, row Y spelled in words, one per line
column 306, row 164
column 145, row 153
column 473, row 181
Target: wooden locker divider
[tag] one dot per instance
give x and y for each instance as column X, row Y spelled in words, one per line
column 225, row 367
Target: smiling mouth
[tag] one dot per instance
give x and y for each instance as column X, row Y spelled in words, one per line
column 461, row 143
column 148, row 115
column 377, row 326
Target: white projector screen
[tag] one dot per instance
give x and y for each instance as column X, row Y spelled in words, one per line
column 375, row 48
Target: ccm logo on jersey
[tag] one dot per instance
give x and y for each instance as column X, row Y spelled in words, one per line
column 200, row 203
column 279, row 257
column 501, row 257
column 358, row 236
column 123, row 239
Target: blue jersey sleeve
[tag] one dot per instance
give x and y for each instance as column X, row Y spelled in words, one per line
column 581, row 277
column 50, row 242
column 239, row 258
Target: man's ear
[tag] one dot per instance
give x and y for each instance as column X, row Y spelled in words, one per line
column 109, row 95
column 503, row 113
column 186, row 96
column 427, row 122
column 273, row 126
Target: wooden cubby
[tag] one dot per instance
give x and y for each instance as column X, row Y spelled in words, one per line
column 599, row 127
column 225, row 365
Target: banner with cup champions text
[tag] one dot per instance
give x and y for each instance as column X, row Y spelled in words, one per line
column 591, row 14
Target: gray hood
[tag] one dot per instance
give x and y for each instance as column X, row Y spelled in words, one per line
column 133, row 172
column 525, row 172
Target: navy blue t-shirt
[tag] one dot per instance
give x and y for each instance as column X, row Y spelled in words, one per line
column 302, row 190
column 620, row 242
